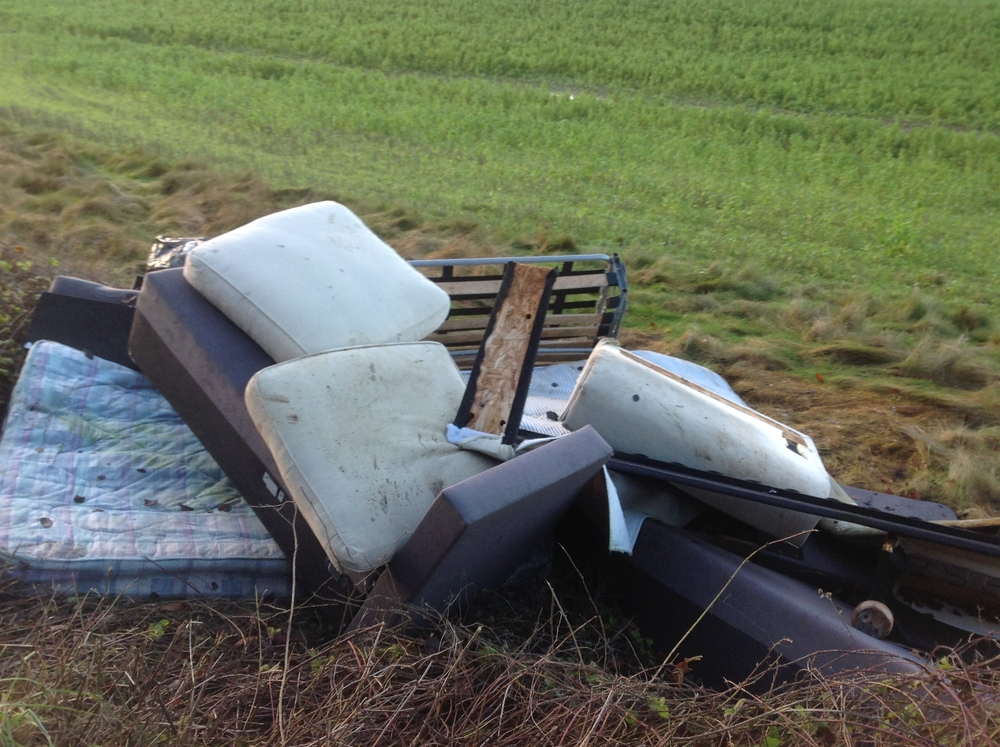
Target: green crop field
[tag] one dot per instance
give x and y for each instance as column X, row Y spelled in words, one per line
column 853, row 142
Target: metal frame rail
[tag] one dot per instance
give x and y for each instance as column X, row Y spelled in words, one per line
column 902, row 526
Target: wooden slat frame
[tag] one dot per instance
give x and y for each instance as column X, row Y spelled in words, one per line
column 585, row 305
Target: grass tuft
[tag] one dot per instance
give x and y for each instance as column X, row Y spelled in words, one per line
column 950, row 363
column 855, row 353
column 968, row 459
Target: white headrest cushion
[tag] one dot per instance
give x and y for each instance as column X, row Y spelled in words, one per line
column 640, row 408
column 315, row 278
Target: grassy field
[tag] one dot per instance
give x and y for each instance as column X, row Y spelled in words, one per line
column 807, row 196
column 853, row 144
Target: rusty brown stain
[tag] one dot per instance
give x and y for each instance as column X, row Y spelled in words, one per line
column 505, row 349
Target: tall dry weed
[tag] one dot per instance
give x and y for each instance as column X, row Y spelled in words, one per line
column 960, row 466
column 100, row 671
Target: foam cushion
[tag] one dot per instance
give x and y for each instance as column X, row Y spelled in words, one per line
column 642, row 409
column 359, row 438
column 315, row 278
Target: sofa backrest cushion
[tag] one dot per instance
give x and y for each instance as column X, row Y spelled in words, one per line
column 640, row 408
column 315, row 278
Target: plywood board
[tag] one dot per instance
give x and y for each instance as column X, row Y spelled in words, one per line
column 498, row 385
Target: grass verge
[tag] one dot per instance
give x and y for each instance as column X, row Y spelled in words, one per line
column 824, row 145
column 190, row 673
column 901, row 394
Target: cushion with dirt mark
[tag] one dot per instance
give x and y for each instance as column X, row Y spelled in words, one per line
column 359, row 438
column 643, row 409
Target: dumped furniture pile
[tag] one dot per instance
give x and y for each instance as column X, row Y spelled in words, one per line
column 293, row 405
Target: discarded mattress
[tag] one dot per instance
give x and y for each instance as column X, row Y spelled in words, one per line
column 102, row 487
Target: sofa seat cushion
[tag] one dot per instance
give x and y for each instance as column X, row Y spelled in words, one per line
column 359, row 438
column 315, row 278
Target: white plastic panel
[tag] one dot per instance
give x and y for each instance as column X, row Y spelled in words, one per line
column 642, row 409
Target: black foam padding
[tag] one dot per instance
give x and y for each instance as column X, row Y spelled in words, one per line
column 86, row 316
column 201, row 362
column 759, row 616
column 64, row 285
column 478, row 531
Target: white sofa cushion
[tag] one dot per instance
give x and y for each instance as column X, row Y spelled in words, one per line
column 642, row 409
column 315, row 278
column 359, row 438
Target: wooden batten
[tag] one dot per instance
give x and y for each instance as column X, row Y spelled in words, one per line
column 476, row 287
column 461, row 323
column 498, row 385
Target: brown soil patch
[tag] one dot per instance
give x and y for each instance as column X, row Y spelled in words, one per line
column 860, row 433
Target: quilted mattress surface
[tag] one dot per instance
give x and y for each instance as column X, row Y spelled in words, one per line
column 103, row 487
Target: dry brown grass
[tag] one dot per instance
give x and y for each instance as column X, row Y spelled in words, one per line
column 96, row 671
column 881, row 384
column 22, row 282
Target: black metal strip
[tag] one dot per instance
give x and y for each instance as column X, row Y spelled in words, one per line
column 902, row 526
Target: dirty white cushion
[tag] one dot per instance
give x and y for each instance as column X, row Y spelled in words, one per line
column 359, row 438
column 315, row 278
column 640, row 408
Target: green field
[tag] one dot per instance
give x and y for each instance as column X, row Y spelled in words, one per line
column 851, row 143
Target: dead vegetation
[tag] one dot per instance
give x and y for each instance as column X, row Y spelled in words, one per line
column 95, row 671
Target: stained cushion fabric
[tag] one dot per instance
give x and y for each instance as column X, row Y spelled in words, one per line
column 358, row 435
column 315, row 278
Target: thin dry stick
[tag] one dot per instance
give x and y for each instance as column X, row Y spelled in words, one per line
column 600, row 718
column 288, row 640
column 704, row 612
